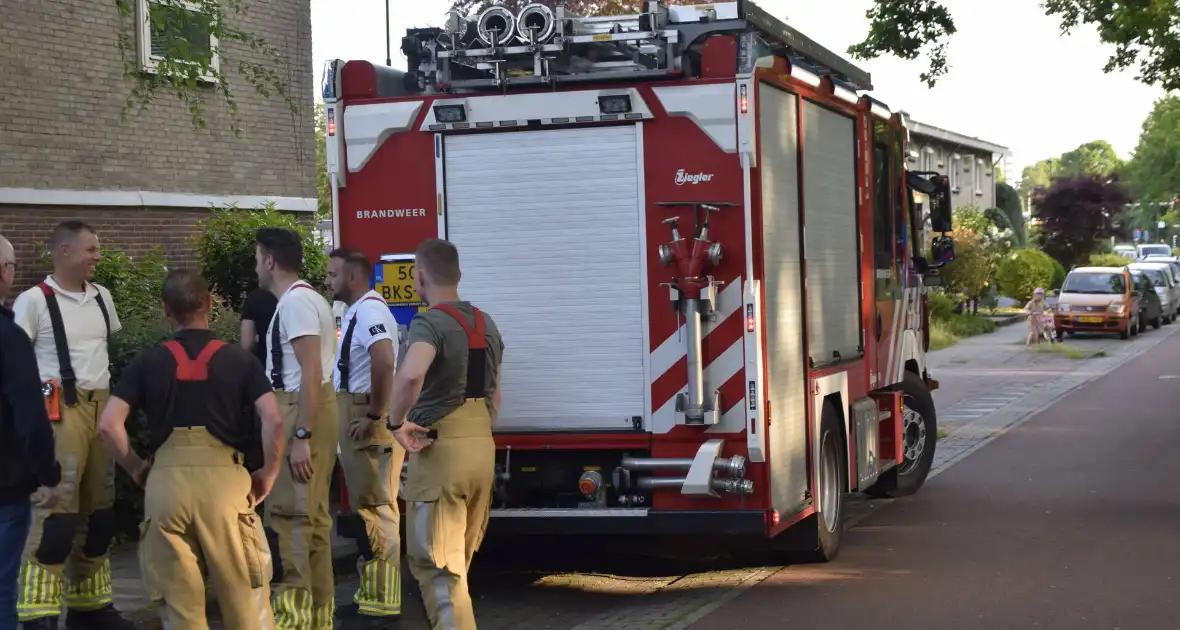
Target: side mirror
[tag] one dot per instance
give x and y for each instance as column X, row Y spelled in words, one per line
column 942, row 249
column 937, row 187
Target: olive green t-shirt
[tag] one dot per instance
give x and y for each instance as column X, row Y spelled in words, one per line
column 446, row 380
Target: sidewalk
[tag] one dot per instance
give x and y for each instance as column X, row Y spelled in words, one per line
column 131, row 596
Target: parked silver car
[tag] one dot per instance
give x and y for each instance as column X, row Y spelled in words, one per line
column 1166, row 285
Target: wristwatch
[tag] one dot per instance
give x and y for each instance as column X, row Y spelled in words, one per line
column 302, row 433
column 373, row 416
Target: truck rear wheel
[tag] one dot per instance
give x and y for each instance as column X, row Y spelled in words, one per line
column 920, row 433
column 831, row 485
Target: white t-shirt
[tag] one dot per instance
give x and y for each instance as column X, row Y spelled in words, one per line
column 374, row 322
column 302, row 311
column 86, row 332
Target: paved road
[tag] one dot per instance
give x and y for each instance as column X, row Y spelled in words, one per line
column 988, row 383
column 1069, row 521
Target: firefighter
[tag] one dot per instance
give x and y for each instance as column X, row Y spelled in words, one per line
column 371, row 458
column 302, row 346
column 67, row 553
column 447, row 383
column 199, row 499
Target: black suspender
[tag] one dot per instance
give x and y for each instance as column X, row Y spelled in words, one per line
column 69, row 379
column 344, row 362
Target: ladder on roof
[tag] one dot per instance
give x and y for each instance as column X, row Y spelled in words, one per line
column 539, row 46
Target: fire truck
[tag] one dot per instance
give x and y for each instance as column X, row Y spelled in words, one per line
column 698, row 236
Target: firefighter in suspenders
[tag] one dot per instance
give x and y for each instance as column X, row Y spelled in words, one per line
column 199, row 497
column 371, row 458
column 302, row 347
column 446, row 394
column 70, row 321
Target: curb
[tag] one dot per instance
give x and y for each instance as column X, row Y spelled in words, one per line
column 1001, row 322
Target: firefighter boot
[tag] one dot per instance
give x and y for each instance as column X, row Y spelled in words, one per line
column 40, row 623
column 368, row 622
column 105, row 618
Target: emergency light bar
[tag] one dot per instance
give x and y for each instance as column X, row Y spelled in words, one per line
column 540, row 46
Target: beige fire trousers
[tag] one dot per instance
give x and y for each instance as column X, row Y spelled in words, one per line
column 304, row 589
column 448, row 497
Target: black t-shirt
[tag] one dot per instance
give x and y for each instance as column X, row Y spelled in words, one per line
column 260, row 308
column 220, row 404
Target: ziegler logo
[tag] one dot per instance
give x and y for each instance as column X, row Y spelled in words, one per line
column 683, row 178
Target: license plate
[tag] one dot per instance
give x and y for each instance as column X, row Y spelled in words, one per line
column 1090, row 320
column 395, row 283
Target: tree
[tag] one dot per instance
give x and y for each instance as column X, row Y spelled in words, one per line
column 1154, row 170
column 1142, row 33
column 1022, row 272
column 1092, row 158
column 1008, row 201
column 1077, row 213
column 969, row 272
column 177, row 27
column 1039, row 175
column 323, row 186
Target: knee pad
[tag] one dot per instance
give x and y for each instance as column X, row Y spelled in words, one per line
column 276, row 558
column 57, row 538
column 100, row 532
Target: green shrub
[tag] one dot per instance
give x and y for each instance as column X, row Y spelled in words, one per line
column 942, row 306
column 970, row 326
column 940, row 337
column 1058, row 275
column 1023, row 271
column 225, row 250
column 1108, row 260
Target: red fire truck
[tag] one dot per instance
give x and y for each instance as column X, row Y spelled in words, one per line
column 698, row 236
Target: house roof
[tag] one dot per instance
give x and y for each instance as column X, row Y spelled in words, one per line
column 945, row 135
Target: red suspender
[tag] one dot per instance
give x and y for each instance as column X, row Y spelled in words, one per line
column 475, row 337
column 193, row 369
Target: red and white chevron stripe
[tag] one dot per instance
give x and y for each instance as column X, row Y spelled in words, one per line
column 723, row 355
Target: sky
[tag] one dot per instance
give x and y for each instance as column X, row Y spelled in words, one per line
column 1014, row 80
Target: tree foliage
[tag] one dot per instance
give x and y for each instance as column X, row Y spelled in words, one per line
column 225, row 250
column 1092, row 158
column 1077, row 213
column 971, row 269
column 323, row 185
column 1143, row 34
column 1039, row 175
column 179, row 28
column 1154, row 169
column 1008, row 201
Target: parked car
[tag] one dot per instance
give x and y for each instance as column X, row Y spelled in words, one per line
column 1151, row 311
column 1153, row 249
column 1101, row 300
column 1166, row 285
column 1172, row 261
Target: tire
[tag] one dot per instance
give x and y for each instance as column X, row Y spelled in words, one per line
column 1126, row 332
column 1060, row 335
column 909, row 477
column 831, row 486
column 1155, row 323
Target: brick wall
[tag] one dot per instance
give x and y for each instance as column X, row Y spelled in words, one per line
column 64, row 93
column 133, row 230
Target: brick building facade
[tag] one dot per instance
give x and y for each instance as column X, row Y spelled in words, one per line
column 67, row 153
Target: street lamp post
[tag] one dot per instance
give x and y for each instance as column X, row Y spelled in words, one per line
column 388, row 55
